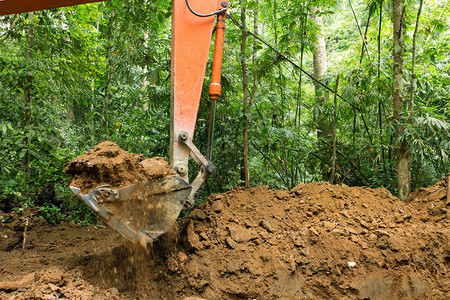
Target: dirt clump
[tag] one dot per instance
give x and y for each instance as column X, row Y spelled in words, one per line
column 108, row 164
column 431, row 202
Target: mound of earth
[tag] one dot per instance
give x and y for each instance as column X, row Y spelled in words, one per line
column 433, row 202
column 317, row 241
column 108, row 164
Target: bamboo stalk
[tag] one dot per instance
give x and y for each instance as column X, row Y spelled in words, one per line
column 333, row 163
column 359, row 29
column 448, row 189
column 413, row 63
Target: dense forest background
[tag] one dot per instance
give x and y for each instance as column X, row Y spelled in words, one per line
column 308, row 94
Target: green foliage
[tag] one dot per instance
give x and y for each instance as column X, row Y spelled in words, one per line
column 101, row 71
column 51, row 213
column 73, row 210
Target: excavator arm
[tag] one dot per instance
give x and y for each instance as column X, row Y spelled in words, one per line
column 192, row 28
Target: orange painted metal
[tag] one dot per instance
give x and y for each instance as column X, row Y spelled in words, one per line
column 215, row 87
column 8, row 7
column 191, row 39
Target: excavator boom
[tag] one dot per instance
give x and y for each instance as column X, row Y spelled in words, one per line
column 192, row 28
column 8, row 7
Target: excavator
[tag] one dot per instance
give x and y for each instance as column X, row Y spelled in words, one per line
column 192, row 31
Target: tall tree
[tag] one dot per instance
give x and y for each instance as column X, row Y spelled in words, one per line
column 27, row 98
column 321, row 95
column 401, row 147
column 246, row 106
column 333, row 161
column 108, row 58
column 413, row 62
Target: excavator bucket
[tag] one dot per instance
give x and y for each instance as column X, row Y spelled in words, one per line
column 140, row 212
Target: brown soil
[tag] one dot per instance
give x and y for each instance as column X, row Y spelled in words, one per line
column 55, row 254
column 431, row 202
column 108, row 164
column 317, row 241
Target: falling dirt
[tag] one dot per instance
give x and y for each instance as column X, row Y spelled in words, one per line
column 108, row 164
column 317, row 241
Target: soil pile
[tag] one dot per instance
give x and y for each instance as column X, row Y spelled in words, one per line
column 317, row 241
column 431, row 202
column 108, row 164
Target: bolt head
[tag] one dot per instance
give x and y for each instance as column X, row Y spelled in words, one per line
column 224, row 4
column 183, row 136
column 181, row 170
column 211, row 169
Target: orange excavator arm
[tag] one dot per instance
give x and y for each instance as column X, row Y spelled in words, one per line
column 192, row 28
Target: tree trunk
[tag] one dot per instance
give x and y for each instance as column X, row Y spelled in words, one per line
column 413, row 62
column 380, row 116
column 27, row 99
column 246, row 111
column 403, row 161
column 298, row 111
column 380, row 22
column 145, row 68
column 254, row 51
column 275, row 22
column 108, row 80
column 320, row 70
column 333, row 161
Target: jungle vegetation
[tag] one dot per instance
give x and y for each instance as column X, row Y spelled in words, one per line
column 352, row 92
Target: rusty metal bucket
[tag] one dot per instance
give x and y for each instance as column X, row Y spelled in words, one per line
column 140, row 212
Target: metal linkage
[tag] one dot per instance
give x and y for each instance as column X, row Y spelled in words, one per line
column 206, row 167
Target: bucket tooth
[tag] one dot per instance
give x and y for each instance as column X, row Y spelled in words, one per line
column 75, row 190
